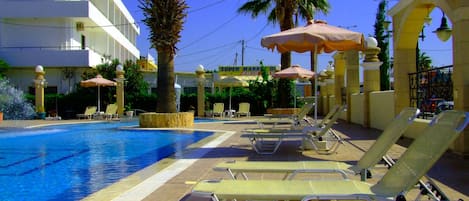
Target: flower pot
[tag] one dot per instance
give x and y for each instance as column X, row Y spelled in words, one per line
column 1, row 117
column 129, row 114
column 41, row 115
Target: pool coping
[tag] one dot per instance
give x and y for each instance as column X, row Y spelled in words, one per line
column 142, row 183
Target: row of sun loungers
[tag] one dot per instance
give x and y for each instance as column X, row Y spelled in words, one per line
column 401, row 176
column 91, row 113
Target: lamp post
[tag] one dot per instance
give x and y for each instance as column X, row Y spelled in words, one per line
column 200, row 72
column 39, row 85
column 443, row 32
column 371, row 77
column 120, row 89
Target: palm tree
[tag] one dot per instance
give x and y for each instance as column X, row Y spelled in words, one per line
column 282, row 12
column 424, row 61
column 165, row 19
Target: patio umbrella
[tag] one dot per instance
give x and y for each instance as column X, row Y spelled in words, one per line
column 316, row 37
column 294, row 72
column 98, row 81
column 231, row 82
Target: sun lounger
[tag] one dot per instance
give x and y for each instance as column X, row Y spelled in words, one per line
column 383, row 143
column 292, row 120
column 89, row 112
column 111, row 112
column 321, row 137
column 218, row 109
column 243, row 110
column 413, row 164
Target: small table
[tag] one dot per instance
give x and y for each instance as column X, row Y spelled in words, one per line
column 230, row 113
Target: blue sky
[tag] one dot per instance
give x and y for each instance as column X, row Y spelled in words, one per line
column 213, row 32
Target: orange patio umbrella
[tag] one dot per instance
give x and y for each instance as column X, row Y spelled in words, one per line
column 98, row 81
column 316, row 37
column 294, row 72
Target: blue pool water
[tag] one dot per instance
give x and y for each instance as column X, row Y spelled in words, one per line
column 69, row 162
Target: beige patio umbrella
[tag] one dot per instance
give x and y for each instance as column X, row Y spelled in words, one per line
column 99, row 82
column 231, row 82
column 316, row 37
column 294, row 72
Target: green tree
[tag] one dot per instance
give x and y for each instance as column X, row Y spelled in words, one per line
column 382, row 36
column 3, row 67
column 424, row 62
column 282, row 12
column 165, row 19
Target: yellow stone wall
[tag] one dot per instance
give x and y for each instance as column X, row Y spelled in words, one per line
column 382, row 107
column 356, row 107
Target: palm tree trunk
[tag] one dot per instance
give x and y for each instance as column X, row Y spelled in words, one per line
column 166, row 102
column 285, row 14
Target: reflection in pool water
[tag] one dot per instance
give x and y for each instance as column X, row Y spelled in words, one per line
column 69, row 162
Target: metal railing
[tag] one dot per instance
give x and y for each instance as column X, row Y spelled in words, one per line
column 431, row 90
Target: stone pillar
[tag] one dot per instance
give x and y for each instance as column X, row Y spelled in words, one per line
column 39, row 85
column 339, row 72
column 461, row 74
column 200, row 72
column 322, row 95
column 120, row 90
column 330, row 83
column 353, row 78
column 371, row 77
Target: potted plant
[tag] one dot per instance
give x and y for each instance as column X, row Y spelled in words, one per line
column 1, row 116
column 41, row 114
column 128, row 110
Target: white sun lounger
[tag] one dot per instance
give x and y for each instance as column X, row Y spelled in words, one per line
column 371, row 157
column 419, row 157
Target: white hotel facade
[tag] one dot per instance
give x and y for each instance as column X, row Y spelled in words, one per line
column 66, row 37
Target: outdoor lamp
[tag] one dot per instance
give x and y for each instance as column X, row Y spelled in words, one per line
column 119, row 68
column 200, row 68
column 443, row 32
column 371, row 42
column 428, row 19
column 386, row 24
column 39, row 69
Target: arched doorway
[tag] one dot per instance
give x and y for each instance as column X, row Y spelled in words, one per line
column 408, row 20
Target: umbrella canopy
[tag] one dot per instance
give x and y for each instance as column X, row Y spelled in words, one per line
column 316, row 37
column 231, row 81
column 317, row 34
column 98, row 81
column 294, row 72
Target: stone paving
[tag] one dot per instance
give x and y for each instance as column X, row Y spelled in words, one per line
column 450, row 173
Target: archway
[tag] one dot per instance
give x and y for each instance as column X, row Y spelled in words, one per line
column 408, row 20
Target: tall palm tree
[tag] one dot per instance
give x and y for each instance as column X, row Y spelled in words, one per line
column 424, row 61
column 282, row 12
column 165, row 18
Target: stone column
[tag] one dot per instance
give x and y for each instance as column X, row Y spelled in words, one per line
column 371, row 76
column 330, row 83
column 461, row 75
column 39, row 85
column 339, row 72
column 200, row 72
column 120, row 90
column 353, row 79
column 322, row 94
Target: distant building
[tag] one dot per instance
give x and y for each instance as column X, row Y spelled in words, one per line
column 66, row 37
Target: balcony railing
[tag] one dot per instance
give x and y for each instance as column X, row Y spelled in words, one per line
column 431, row 90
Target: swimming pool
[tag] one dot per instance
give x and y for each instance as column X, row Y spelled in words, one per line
column 69, row 162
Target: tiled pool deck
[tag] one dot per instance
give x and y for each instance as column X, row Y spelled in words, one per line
column 171, row 179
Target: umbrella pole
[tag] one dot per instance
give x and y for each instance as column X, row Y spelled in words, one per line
column 315, row 58
column 99, row 97
column 229, row 113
